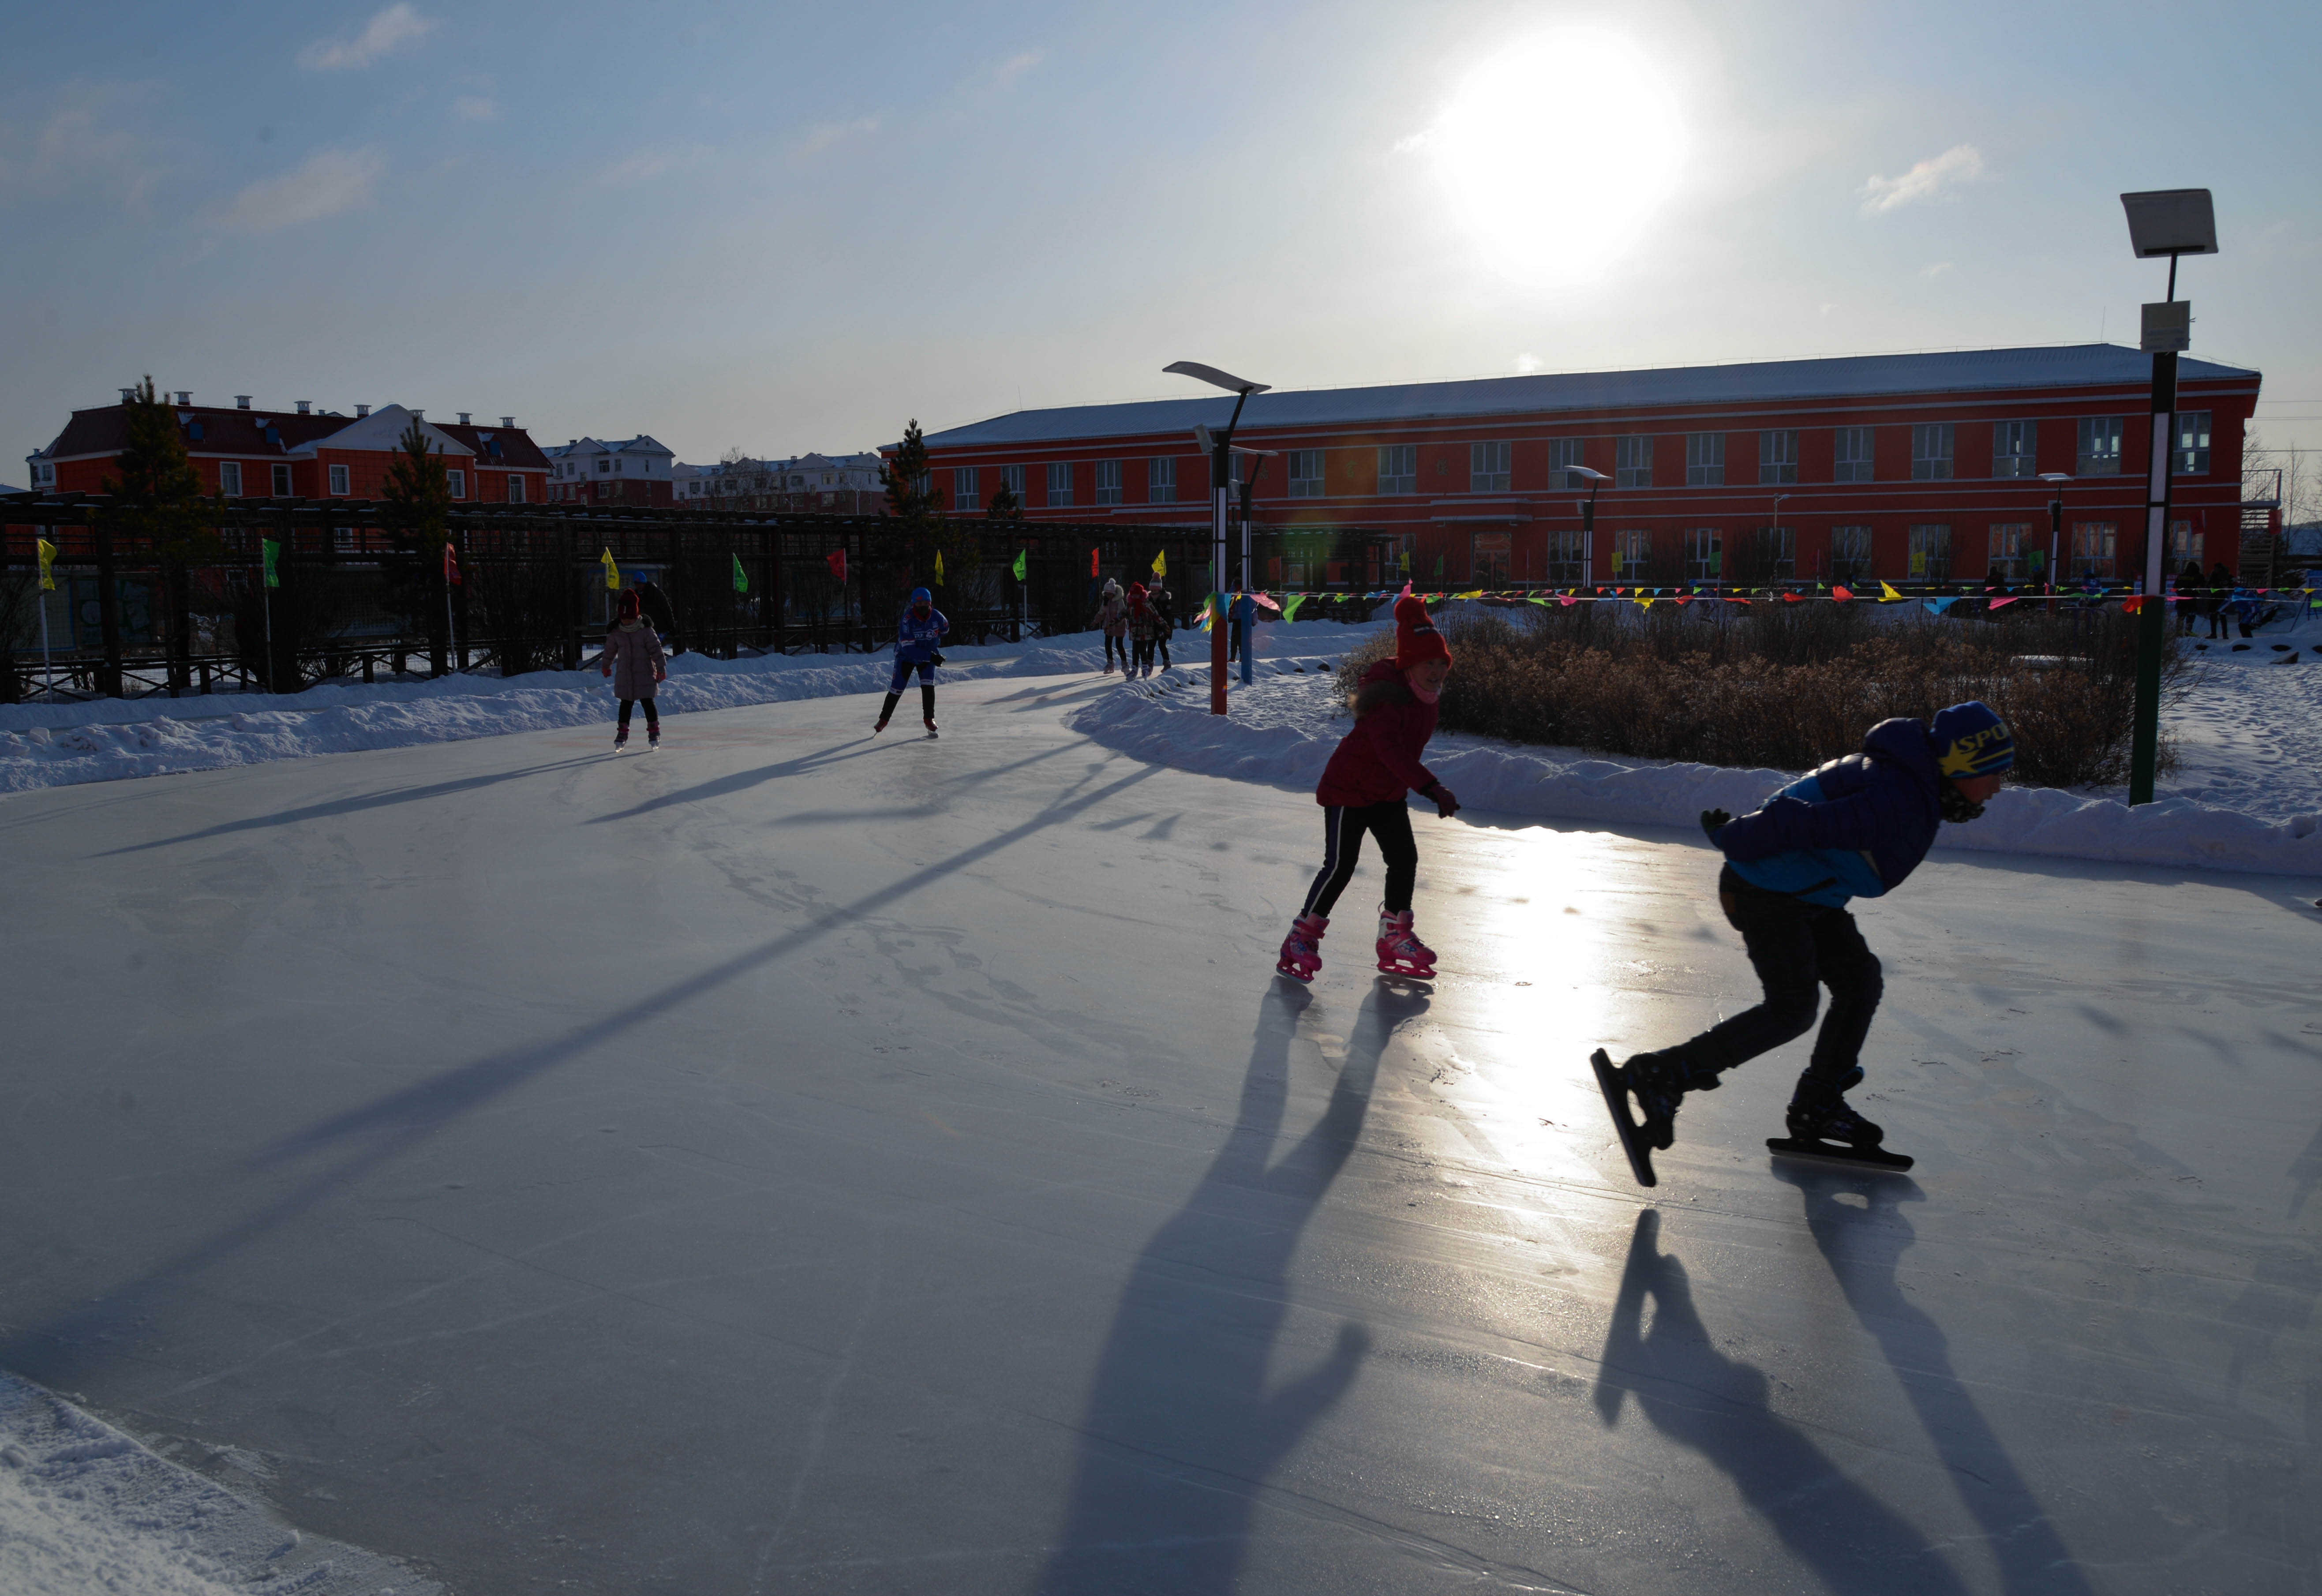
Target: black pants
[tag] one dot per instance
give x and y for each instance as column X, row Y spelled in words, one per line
column 1162, row 643
column 1142, row 649
column 652, row 716
column 1794, row 947
column 1342, row 843
column 1115, row 646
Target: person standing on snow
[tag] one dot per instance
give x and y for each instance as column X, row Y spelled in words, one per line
column 1362, row 790
column 1853, row 828
column 917, row 639
column 1144, row 629
column 634, row 659
column 1165, row 606
column 1112, row 619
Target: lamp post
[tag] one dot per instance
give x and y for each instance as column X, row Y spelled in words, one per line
column 2056, row 480
column 1774, row 536
column 1219, row 447
column 2170, row 221
column 1595, row 480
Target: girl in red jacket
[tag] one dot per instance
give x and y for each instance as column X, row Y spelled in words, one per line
column 1362, row 790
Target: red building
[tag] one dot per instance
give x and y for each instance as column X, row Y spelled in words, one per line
column 246, row 453
column 1922, row 466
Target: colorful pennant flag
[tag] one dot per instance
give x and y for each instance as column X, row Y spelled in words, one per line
column 741, row 577
column 1092, row 565
column 1841, row 594
column 612, row 572
column 1887, row 593
column 1019, row 564
column 1161, row 563
column 1997, row 603
column 47, row 551
column 939, row 581
column 1290, row 610
column 269, row 549
column 1937, row 606
column 836, row 560
column 451, row 564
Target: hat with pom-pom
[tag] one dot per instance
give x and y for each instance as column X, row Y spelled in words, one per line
column 1416, row 640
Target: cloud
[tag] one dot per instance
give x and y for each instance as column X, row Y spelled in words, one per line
column 655, row 162
column 822, row 136
column 1528, row 362
column 79, row 148
column 475, row 108
column 1961, row 163
column 1017, row 65
column 330, row 182
column 1936, row 269
column 396, row 28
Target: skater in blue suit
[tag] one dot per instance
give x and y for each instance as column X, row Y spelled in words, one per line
column 1854, row 828
column 918, row 639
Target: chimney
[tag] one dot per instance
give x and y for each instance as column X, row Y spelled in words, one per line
column 362, row 411
column 306, row 406
column 128, row 394
column 463, row 418
column 507, row 421
column 419, row 415
column 241, row 401
column 185, row 395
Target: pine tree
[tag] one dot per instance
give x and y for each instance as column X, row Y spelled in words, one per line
column 1005, row 505
column 917, row 504
column 157, row 501
column 418, row 495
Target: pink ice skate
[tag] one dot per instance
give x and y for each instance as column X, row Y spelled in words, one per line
column 1400, row 950
column 1301, row 952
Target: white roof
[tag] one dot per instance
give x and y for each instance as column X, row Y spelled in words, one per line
column 380, row 432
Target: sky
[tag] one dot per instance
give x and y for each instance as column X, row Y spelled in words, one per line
column 781, row 228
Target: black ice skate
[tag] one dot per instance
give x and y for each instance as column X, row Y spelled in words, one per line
column 1824, row 1129
column 1658, row 1085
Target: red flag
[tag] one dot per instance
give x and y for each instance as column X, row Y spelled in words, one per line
column 836, row 560
column 1840, row 593
column 450, row 565
column 1092, row 563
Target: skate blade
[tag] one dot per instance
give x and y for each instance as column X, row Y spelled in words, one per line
column 1633, row 1135
column 1868, row 1158
column 1409, row 971
column 1300, row 976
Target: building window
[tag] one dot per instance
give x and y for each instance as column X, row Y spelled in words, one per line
column 2092, row 547
column 2012, row 444
column 1931, row 453
column 2009, row 542
column 1931, row 554
column 2192, row 457
column 281, row 481
column 1632, row 462
column 1060, row 484
column 1305, row 473
column 605, row 465
column 1778, row 457
column 1399, row 468
column 1161, row 481
column 339, row 489
column 1851, row 460
column 1849, row 553
column 1632, row 555
column 229, row 478
column 459, row 481
column 1704, row 460
column 1777, row 554
column 1108, row 481
column 1567, row 550
column 1487, row 559
column 1011, row 477
column 964, row 489
column 2100, row 454
column 515, row 489
column 1704, row 554
column 1487, row 466
column 1563, row 455
column 2185, row 544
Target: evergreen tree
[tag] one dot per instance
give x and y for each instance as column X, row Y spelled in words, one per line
column 157, row 503
column 1004, row 505
column 418, row 497
column 917, row 504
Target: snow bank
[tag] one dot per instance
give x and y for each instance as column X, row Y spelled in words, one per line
column 83, row 1509
column 1283, row 729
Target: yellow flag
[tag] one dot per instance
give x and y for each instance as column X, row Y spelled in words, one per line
column 1644, row 601
column 47, row 560
column 612, row 573
column 1886, row 591
column 938, row 568
column 1161, row 563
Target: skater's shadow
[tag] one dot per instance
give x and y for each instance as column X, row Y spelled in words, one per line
column 1696, row 1395
column 1182, row 1427
column 1862, row 1247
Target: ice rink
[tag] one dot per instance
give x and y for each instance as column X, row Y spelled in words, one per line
column 792, row 1161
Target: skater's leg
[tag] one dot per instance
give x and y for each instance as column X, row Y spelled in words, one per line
column 927, row 702
column 887, row 710
column 1851, row 972
column 652, row 715
column 1391, row 824
column 1778, row 932
column 1163, row 643
column 1342, row 840
column 627, row 705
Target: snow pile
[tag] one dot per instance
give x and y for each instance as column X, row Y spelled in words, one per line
column 1284, row 728
column 83, row 1508
column 50, row 745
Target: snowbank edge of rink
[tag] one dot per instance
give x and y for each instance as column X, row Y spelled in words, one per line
column 1563, row 785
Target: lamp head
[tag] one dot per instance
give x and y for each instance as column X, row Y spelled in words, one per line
column 2170, row 221
column 1215, row 377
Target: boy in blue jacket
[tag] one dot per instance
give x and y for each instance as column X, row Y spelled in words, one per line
column 1854, row 828
column 917, row 639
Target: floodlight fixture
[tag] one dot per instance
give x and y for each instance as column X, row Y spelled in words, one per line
column 1218, row 445
column 2170, row 221
column 1592, row 476
column 1215, row 377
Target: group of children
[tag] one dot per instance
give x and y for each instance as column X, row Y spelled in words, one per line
column 1136, row 624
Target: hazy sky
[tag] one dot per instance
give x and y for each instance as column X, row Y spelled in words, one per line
column 784, row 228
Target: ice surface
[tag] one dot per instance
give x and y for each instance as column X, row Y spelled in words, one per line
column 797, row 1161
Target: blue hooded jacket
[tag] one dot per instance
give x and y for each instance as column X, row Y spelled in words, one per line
column 915, row 640
column 1854, row 828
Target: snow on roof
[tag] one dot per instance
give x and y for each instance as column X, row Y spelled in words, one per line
column 1754, row 382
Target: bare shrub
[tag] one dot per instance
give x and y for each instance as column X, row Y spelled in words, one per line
column 1789, row 685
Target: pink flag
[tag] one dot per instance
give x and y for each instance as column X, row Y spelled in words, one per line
column 1998, row 602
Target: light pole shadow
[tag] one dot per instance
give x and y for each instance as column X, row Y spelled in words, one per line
column 1717, row 1406
column 1182, row 1431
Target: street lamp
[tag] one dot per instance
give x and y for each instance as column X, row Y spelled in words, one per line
column 1248, row 620
column 2055, row 521
column 2170, row 221
column 1219, row 447
column 1774, row 538
column 1595, row 480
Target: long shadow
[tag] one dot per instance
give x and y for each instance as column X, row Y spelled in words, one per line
column 1716, row 1405
column 743, row 780
column 354, row 806
column 392, row 1125
column 1862, row 1247
column 1180, row 1432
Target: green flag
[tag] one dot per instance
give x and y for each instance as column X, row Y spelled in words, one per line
column 271, row 549
column 741, row 577
column 1439, row 565
column 1290, row 609
column 1019, row 564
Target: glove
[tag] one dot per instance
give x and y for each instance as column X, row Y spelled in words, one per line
column 1446, row 803
column 1713, row 821
column 935, row 659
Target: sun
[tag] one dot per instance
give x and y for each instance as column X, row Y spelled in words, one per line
column 1558, row 151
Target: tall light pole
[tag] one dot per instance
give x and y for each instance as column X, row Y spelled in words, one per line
column 1774, row 538
column 2170, row 221
column 1595, row 480
column 1219, row 447
column 2056, row 480
column 1247, row 604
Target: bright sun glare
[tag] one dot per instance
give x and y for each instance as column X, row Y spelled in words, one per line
column 1558, row 150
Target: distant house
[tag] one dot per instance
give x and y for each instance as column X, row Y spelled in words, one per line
column 823, row 484
column 639, row 470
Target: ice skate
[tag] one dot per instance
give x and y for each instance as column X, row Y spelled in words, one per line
column 1400, row 950
column 1823, row 1127
column 1658, row 1084
column 652, row 738
column 1301, row 951
column 931, row 728
column 620, row 738
column 879, row 726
